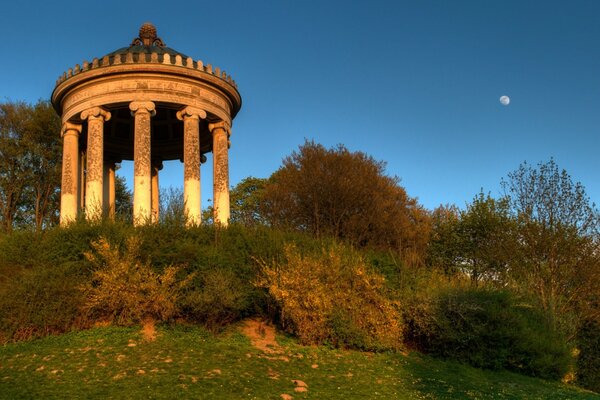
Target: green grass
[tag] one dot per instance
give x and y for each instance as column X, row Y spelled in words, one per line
column 188, row 362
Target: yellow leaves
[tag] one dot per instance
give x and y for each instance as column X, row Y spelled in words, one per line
column 315, row 292
column 125, row 290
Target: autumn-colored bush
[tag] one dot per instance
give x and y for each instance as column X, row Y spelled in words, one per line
column 125, row 291
column 333, row 298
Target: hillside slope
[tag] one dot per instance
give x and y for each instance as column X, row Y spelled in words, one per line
column 246, row 362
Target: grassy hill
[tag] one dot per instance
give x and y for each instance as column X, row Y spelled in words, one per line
column 246, row 362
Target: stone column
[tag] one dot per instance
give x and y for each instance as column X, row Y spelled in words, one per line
column 109, row 189
column 81, row 172
column 69, row 201
column 142, row 175
column 156, row 166
column 191, row 163
column 94, row 193
column 220, row 135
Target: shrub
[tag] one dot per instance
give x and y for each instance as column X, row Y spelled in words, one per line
column 125, row 291
column 588, row 361
column 216, row 298
column 333, row 298
column 491, row 329
column 40, row 301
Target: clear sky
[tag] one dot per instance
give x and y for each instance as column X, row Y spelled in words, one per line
column 413, row 83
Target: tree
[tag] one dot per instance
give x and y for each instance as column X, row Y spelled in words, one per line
column 30, row 147
column 123, row 199
column 557, row 255
column 347, row 195
column 485, row 233
column 444, row 246
column 43, row 143
column 476, row 240
column 13, row 121
column 245, row 199
column 30, row 164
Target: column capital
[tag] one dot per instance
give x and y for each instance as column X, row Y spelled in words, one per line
column 69, row 128
column 142, row 106
column 95, row 112
column 220, row 125
column 191, row 112
column 158, row 164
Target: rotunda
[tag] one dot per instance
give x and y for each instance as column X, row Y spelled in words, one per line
column 147, row 103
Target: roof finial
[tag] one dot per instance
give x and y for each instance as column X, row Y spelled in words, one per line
column 148, row 36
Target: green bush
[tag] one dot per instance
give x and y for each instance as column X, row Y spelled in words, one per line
column 333, row 298
column 216, row 298
column 588, row 360
column 41, row 300
column 490, row 329
column 18, row 250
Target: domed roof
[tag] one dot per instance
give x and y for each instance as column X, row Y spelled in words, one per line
column 147, row 42
column 147, row 54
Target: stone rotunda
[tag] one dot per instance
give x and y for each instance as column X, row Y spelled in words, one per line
column 147, row 103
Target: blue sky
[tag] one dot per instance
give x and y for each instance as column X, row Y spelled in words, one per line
column 412, row 83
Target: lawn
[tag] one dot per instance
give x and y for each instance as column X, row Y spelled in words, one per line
column 188, row 362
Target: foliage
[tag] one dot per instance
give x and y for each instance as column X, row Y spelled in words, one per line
column 30, row 165
column 172, row 207
column 246, row 203
column 123, row 200
column 41, row 301
column 444, row 246
column 333, row 298
column 557, row 236
column 246, row 198
column 347, row 195
column 477, row 241
column 125, row 291
column 216, row 298
column 491, row 329
column 588, row 360
column 219, row 263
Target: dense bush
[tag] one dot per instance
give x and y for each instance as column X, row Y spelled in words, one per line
column 337, row 296
column 40, row 273
column 333, row 298
column 490, row 329
column 40, row 301
column 123, row 290
column 588, row 361
column 217, row 297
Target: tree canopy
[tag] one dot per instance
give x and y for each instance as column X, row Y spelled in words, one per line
column 557, row 235
column 347, row 195
column 30, row 164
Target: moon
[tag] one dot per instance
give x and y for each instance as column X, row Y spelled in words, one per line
column 504, row 100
